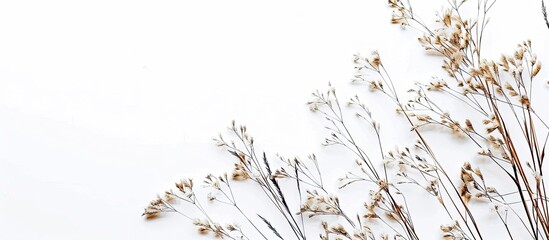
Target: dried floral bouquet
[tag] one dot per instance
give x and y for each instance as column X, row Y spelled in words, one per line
column 500, row 121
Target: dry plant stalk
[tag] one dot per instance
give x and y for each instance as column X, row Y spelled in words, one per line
column 544, row 12
column 500, row 122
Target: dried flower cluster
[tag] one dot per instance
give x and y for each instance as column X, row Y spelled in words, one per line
column 501, row 122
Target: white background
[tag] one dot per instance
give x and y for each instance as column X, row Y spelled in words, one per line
column 103, row 104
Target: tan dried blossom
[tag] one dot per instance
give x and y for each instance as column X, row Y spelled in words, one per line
column 375, row 60
column 525, row 101
column 155, row 208
column 491, row 129
column 340, row 230
column 423, row 118
column 437, row 85
column 456, row 127
column 383, row 185
column 478, row 173
column 280, row 173
column 371, row 215
column 239, row 172
column 464, row 193
column 466, row 176
column 232, row 227
column 504, row 63
column 485, row 152
column 204, row 227
column 449, row 227
column 185, row 185
column 469, row 126
column 399, row 17
column 375, row 85
column 212, row 182
column 536, row 69
column 394, row 3
column 317, row 204
column 211, row 197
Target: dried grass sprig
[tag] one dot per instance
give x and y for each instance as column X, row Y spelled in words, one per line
column 501, row 123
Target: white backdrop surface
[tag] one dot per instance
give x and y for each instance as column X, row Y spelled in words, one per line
column 104, row 104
